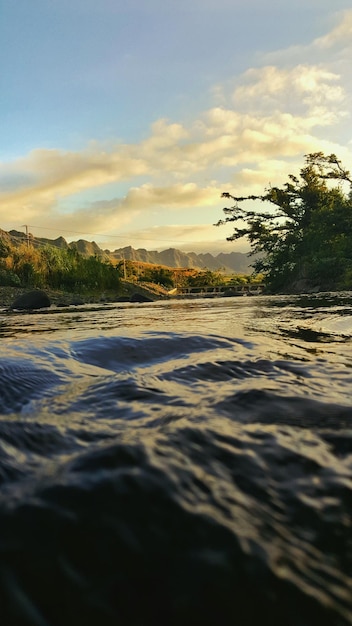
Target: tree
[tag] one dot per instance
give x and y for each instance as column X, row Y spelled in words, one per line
column 305, row 228
column 205, row 277
column 159, row 275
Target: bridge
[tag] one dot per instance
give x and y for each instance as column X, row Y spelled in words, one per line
column 213, row 291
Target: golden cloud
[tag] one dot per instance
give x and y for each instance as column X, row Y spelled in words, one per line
column 274, row 113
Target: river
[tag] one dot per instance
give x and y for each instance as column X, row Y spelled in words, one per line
column 178, row 462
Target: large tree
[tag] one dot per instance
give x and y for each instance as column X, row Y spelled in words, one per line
column 305, row 229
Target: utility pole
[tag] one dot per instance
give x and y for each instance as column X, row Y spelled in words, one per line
column 27, row 233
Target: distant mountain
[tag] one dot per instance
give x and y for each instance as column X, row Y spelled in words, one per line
column 88, row 248
column 227, row 262
column 85, row 248
column 17, row 237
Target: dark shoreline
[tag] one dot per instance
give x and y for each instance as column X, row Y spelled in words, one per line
column 65, row 298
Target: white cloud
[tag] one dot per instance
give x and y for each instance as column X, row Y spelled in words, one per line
column 48, row 175
column 340, row 37
column 183, row 196
column 332, row 50
column 189, row 238
column 275, row 114
column 271, row 88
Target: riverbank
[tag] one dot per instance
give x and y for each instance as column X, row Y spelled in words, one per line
column 65, row 298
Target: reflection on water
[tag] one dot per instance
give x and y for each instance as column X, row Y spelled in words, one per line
column 172, row 462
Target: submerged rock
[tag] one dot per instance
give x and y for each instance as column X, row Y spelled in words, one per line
column 36, row 299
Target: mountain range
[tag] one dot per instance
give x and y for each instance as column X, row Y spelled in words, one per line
column 227, row 262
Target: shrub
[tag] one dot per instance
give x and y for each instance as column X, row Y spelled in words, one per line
column 9, row 279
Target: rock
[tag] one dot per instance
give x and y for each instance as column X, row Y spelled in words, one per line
column 35, row 299
column 140, row 297
column 76, row 301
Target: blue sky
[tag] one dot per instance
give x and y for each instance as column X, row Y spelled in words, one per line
column 123, row 122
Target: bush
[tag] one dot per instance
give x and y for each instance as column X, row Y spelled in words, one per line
column 9, row 279
column 60, row 269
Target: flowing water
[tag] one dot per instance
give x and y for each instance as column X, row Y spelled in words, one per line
column 179, row 462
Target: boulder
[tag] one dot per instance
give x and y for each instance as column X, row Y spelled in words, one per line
column 76, row 301
column 35, row 299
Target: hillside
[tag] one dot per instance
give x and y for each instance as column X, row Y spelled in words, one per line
column 227, row 262
column 86, row 248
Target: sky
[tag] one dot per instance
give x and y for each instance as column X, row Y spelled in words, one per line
column 122, row 122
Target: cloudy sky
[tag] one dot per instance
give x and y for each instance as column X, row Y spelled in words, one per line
column 123, row 122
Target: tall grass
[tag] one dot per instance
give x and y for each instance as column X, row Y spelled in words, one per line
column 55, row 268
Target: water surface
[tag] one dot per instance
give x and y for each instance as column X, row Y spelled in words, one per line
column 185, row 461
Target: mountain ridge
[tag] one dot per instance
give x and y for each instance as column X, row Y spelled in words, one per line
column 171, row 257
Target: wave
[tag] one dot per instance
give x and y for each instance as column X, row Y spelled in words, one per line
column 174, row 478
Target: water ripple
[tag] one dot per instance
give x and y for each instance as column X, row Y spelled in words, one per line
column 156, row 477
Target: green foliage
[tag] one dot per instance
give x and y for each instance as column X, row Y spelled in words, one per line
column 4, row 249
column 305, row 230
column 240, row 280
column 205, row 278
column 28, row 275
column 158, row 275
column 26, row 263
column 9, row 279
column 60, row 269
